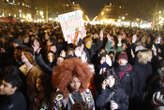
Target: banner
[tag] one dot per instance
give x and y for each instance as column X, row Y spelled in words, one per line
column 72, row 25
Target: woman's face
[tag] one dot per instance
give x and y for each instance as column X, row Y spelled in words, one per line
column 23, row 58
column 110, row 81
column 122, row 62
column 75, row 84
column 26, row 40
column 124, row 46
column 59, row 61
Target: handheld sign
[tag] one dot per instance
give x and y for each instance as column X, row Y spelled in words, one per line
column 71, row 23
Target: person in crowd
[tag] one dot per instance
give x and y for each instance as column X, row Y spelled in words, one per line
column 100, row 48
column 158, row 94
column 34, row 80
column 11, row 96
column 112, row 97
column 72, row 79
column 126, row 74
column 143, row 71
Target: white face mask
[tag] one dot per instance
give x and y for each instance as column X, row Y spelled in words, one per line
column 83, row 57
column 77, row 52
column 63, row 54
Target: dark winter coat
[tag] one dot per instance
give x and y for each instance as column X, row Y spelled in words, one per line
column 118, row 95
column 143, row 72
column 93, row 50
column 13, row 102
column 127, row 79
column 39, row 60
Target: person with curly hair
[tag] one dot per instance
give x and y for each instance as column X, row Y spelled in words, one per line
column 72, row 79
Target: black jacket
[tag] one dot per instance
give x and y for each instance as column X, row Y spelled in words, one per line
column 13, row 102
column 143, row 72
column 127, row 81
column 118, row 95
column 39, row 60
column 93, row 50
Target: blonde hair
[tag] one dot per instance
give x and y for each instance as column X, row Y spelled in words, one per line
column 144, row 56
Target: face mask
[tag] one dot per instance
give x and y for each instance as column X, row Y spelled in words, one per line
column 78, row 53
column 104, row 65
column 84, row 58
column 88, row 45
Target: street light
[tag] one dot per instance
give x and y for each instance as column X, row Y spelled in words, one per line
column 102, row 13
column 41, row 13
column 123, row 18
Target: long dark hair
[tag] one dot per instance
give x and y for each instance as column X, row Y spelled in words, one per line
column 117, row 81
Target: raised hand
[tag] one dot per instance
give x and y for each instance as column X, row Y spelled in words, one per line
column 36, row 46
column 101, row 34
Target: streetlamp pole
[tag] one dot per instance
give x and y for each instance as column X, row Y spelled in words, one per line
column 47, row 11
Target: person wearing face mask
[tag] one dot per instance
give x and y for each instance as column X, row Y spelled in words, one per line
column 112, row 97
column 103, row 66
column 91, row 48
column 71, row 79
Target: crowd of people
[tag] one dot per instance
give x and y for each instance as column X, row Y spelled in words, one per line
column 111, row 68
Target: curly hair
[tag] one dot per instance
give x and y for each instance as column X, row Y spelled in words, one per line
column 64, row 73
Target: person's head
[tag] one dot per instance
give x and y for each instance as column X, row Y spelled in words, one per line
column 27, row 57
column 71, row 75
column 70, row 52
column 18, row 54
column 63, row 54
column 122, row 59
column 110, row 80
column 88, row 42
column 59, row 60
column 75, row 83
column 144, row 56
column 17, row 42
column 51, row 57
column 103, row 59
column 26, row 39
column 124, row 45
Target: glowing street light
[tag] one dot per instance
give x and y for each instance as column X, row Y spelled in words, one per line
column 41, row 13
column 102, row 13
column 3, row 14
column 123, row 18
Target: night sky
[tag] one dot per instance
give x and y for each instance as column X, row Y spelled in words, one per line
column 136, row 8
column 92, row 7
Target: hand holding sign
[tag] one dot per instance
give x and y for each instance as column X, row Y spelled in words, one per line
column 70, row 22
